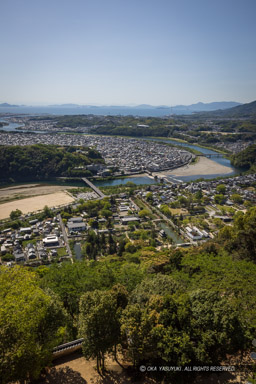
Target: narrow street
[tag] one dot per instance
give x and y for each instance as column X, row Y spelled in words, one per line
column 65, row 238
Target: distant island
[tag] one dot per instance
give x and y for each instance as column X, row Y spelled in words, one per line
column 6, row 105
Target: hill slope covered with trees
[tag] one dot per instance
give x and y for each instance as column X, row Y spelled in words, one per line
column 39, row 162
column 246, row 159
column 244, row 110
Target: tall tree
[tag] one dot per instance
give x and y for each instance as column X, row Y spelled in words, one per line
column 99, row 323
column 30, row 325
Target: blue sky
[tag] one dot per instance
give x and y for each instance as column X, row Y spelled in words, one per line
column 127, row 52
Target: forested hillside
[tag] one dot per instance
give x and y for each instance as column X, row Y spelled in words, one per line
column 120, row 125
column 244, row 110
column 155, row 131
column 176, row 307
column 246, row 159
column 38, row 162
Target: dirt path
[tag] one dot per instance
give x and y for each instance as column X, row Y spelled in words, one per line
column 75, row 369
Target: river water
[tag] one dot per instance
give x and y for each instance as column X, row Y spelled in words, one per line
column 147, row 180
column 205, row 151
column 136, row 180
column 11, row 127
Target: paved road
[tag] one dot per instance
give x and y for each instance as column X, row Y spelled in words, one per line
column 65, row 237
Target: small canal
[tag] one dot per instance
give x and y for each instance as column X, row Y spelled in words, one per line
column 171, row 234
column 78, row 251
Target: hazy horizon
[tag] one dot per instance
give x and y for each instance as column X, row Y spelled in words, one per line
column 132, row 105
column 165, row 52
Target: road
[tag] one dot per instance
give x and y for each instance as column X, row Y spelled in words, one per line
column 93, row 187
column 65, row 237
column 160, row 214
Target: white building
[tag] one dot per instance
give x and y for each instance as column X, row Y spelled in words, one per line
column 51, row 241
column 194, row 233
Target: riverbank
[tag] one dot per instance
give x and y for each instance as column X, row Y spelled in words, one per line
column 203, row 166
column 37, row 203
column 22, row 191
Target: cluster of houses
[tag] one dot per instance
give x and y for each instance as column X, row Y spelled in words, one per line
column 168, row 193
column 123, row 213
column 76, row 224
column 41, row 240
column 127, row 155
column 195, row 234
column 235, row 147
column 131, row 155
column 234, row 185
column 38, row 242
column 50, row 126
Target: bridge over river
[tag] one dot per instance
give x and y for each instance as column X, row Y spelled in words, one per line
column 210, row 155
column 96, row 190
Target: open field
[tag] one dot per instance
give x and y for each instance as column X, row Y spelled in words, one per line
column 203, row 166
column 37, row 203
column 178, row 211
column 28, row 190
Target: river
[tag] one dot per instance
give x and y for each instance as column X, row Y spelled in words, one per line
column 220, row 160
column 11, row 127
column 147, row 180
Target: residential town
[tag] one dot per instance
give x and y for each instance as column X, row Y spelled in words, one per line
column 163, row 215
column 126, row 155
column 170, row 213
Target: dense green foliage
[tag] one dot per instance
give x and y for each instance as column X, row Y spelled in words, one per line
column 239, row 239
column 15, row 214
column 196, row 308
column 246, row 159
column 120, row 125
column 156, row 131
column 99, row 321
column 175, row 307
column 38, row 162
column 181, row 329
column 30, row 325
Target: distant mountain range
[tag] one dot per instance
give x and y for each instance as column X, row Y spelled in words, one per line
column 199, row 107
column 225, row 109
column 243, row 110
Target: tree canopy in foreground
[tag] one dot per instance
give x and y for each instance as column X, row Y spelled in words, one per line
column 30, row 325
